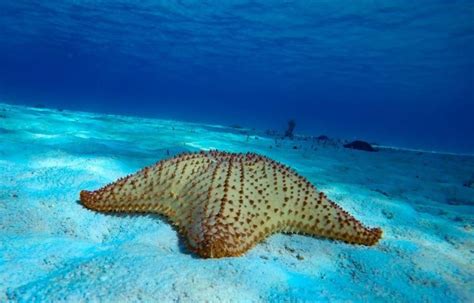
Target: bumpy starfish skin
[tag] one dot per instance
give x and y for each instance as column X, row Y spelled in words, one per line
column 225, row 203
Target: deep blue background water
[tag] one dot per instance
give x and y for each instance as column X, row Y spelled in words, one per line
column 396, row 72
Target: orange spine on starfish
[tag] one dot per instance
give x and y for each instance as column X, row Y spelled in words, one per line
column 225, row 203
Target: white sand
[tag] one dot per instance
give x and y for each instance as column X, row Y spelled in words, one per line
column 52, row 249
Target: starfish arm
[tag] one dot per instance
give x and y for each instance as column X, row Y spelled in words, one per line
column 154, row 189
column 135, row 193
column 303, row 209
column 324, row 218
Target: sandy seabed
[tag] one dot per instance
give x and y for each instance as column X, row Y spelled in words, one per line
column 54, row 250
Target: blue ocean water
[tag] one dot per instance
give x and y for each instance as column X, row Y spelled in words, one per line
column 394, row 72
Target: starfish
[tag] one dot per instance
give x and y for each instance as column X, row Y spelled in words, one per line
column 223, row 203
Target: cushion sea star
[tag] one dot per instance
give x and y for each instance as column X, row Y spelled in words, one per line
column 225, row 203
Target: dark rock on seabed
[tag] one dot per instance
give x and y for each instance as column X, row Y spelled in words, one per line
column 469, row 183
column 360, row 145
column 322, row 138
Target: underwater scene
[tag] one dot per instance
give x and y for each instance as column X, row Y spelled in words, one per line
column 236, row 151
